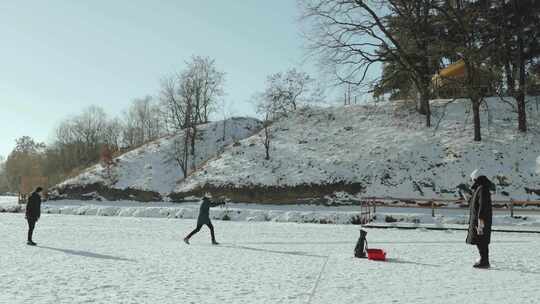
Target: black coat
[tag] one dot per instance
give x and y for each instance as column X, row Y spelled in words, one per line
column 204, row 212
column 33, row 207
column 480, row 208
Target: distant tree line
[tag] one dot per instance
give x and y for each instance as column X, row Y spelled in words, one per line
column 186, row 100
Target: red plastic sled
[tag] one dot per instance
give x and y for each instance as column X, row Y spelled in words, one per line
column 376, row 254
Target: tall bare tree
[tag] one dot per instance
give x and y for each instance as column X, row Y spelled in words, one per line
column 354, row 37
column 188, row 98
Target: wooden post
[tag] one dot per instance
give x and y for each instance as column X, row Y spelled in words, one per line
column 511, row 208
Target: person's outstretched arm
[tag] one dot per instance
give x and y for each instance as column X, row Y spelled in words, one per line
column 215, row 204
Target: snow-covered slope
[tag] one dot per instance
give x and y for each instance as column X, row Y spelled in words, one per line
column 151, row 167
column 386, row 149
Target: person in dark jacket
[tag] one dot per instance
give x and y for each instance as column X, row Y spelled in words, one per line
column 480, row 217
column 33, row 212
column 204, row 219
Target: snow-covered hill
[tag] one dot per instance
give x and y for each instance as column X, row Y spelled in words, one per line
column 150, row 172
column 366, row 150
column 378, row 150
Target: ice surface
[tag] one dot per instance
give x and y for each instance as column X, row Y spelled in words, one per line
column 140, row 260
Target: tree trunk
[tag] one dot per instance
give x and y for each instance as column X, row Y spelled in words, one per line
column 266, row 142
column 520, row 98
column 509, row 78
column 476, row 119
column 425, row 107
column 422, row 109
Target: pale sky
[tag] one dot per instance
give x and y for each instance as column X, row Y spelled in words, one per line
column 59, row 56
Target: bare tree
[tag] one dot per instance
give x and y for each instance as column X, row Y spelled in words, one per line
column 112, row 134
column 353, row 37
column 208, row 84
column 78, row 141
column 143, row 122
column 285, row 91
column 267, row 136
column 189, row 97
column 265, row 107
column 4, row 186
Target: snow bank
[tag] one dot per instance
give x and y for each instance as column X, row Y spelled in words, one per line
column 227, row 214
column 280, row 213
column 9, row 204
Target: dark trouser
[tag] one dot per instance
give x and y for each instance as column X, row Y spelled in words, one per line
column 199, row 226
column 483, row 249
column 31, row 225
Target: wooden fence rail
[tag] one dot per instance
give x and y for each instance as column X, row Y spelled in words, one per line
column 369, row 204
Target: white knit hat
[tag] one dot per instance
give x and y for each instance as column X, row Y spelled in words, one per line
column 475, row 174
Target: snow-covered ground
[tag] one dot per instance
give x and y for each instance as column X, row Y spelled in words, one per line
column 386, row 148
column 140, row 260
column 7, row 199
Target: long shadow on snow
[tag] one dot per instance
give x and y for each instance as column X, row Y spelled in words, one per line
column 296, row 243
column 88, row 254
column 400, row 261
column 352, row 242
column 443, row 242
column 522, row 271
column 300, row 253
column 297, row 253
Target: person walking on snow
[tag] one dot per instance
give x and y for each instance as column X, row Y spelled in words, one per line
column 33, row 212
column 204, row 219
column 480, row 218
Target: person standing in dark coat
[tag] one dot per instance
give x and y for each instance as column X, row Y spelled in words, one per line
column 33, row 212
column 480, row 217
column 204, row 219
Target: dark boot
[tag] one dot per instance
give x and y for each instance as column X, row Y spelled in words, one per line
column 197, row 229
column 31, row 225
column 481, row 265
column 212, row 234
column 483, row 249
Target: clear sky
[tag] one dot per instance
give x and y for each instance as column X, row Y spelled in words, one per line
column 59, row 56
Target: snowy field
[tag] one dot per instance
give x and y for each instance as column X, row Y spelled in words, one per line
column 90, row 259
